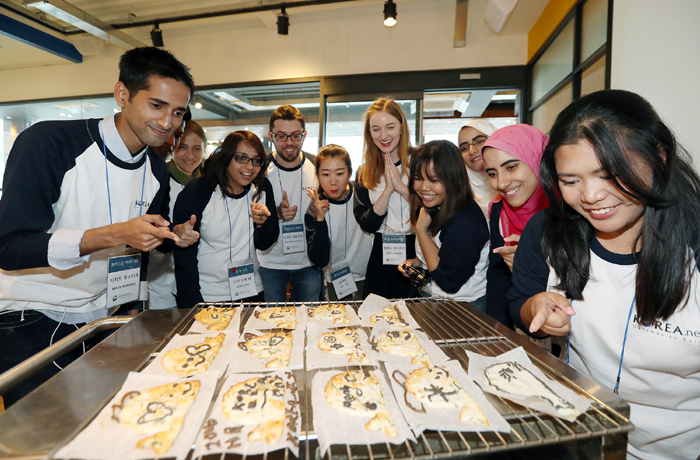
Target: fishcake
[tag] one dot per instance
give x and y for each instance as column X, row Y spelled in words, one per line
column 335, row 312
column 435, row 387
column 258, row 401
column 215, row 318
column 404, row 343
column 391, row 315
column 284, row 317
column 193, row 359
column 275, row 345
column 343, row 342
column 359, row 393
column 160, row 410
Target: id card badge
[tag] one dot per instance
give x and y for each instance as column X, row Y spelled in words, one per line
column 293, row 237
column 123, row 276
column 343, row 282
column 393, row 248
column 241, row 279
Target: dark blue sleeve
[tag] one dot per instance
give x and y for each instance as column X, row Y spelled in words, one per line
column 462, row 239
column 363, row 209
column 40, row 157
column 318, row 245
column 530, row 270
column 267, row 234
column 192, row 200
column 498, row 276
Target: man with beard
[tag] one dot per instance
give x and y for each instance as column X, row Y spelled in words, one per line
column 290, row 172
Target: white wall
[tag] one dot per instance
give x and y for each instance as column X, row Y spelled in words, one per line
column 342, row 41
column 655, row 53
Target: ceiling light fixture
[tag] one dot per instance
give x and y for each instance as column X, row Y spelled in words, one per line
column 283, row 23
column 198, row 105
column 157, row 36
column 389, row 13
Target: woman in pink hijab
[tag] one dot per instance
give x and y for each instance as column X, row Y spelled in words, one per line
column 512, row 159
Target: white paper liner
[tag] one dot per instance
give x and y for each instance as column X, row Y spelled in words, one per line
column 375, row 304
column 443, row 419
column 319, row 359
column 435, row 353
column 352, row 316
column 334, row 427
column 479, row 363
column 234, row 325
column 262, row 325
column 106, row 439
column 219, row 435
column 179, row 341
column 244, row 361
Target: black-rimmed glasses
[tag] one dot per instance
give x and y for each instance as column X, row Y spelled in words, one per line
column 244, row 160
column 281, row 137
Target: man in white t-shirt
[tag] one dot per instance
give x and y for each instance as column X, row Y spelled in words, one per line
column 290, row 172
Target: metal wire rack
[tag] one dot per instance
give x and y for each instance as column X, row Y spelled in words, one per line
column 601, row 432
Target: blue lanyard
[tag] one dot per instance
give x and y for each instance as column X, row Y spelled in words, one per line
column 143, row 182
column 301, row 189
column 616, row 389
column 330, row 230
column 230, row 228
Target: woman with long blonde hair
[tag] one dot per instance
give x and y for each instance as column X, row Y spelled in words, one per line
column 383, row 198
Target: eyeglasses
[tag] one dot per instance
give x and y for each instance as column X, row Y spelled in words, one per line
column 244, row 160
column 281, row 137
column 477, row 142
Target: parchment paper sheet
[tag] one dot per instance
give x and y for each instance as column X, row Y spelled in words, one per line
column 220, row 362
column 318, row 359
column 375, row 304
column 436, row 355
column 244, row 361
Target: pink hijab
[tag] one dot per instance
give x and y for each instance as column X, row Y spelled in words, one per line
column 526, row 143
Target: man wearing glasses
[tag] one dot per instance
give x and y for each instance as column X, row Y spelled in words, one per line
column 290, row 172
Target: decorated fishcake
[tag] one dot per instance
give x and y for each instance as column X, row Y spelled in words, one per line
column 512, row 377
column 343, row 342
column 359, row 393
column 215, row 318
column 275, row 347
column 160, row 410
column 391, row 315
column 257, row 401
column 402, row 343
column 284, row 317
column 193, row 359
column 330, row 312
column 435, row 387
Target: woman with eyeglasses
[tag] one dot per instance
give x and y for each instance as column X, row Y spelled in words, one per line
column 232, row 203
column 472, row 136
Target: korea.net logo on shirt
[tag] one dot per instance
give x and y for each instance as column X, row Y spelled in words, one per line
column 668, row 330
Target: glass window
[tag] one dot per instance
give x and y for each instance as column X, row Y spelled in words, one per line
column 543, row 117
column 554, row 64
column 345, row 123
column 593, row 78
column 594, row 30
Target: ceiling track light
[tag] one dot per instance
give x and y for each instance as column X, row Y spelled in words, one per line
column 157, row 36
column 283, row 23
column 389, row 13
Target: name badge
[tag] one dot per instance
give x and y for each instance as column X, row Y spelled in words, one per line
column 293, row 238
column 343, row 283
column 123, row 275
column 393, row 249
column 241, row 280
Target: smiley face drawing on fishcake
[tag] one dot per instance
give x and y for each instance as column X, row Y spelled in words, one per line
column 344, row 341
column 215, row 318
column 335, row 312
column 275, row 347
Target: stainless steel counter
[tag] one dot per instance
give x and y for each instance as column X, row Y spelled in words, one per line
column 55, row 412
